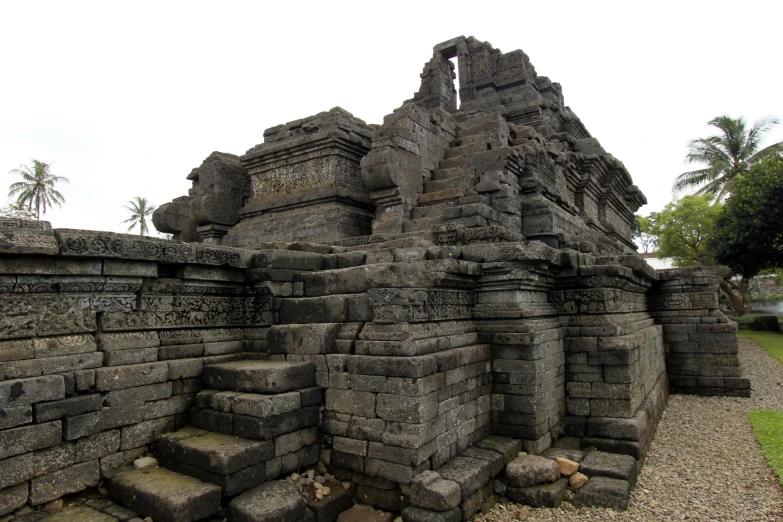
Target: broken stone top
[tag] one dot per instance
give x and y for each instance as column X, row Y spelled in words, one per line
column 501, row 159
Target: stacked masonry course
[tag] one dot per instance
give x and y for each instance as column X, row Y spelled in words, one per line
column 411, row 304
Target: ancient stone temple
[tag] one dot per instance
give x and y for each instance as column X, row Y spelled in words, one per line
column 402, row 308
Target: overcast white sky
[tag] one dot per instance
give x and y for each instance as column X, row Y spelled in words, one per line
column 126, row 98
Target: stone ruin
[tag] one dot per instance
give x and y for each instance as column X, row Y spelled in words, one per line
column 401, row 308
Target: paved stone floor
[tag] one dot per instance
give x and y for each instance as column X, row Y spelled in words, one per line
column 704, row 464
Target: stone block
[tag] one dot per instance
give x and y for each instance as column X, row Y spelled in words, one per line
column 601, row 464
column 546, row 495
column 165, row 495
column 63, row 345
column 69, row 453
column 150, row 392
column 362, row 513
column 264, row 406
column 19, row 392
column 16, row 441
column 17, row 469
column 13, row 498
column 495, row 460
column 15, row 416
column 351, row 402
column 69, row 480
column 277, row 501
column 531, row 470
column 603, row 492
column 119, row 377
column 415, row 514
column 49, row 411
column 259, row 376
column 146, row 432
column 52, row 365
column 470, row 474
column 430, row 491
column 412, row 410
column 293, row 442
column 507, row 447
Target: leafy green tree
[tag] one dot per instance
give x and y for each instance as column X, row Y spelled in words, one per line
column 748, row 234
column 140, row 211
column 684, row 229
column 36, row 190
column 644, row 234
column 727, row 156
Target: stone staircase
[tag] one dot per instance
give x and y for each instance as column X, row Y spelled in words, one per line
column 255, row 421
column 457, row 191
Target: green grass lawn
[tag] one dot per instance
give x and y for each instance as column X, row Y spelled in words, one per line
column 768, row 429
column 770, row 341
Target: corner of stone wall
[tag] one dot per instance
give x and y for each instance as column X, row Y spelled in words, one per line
column 702, row 351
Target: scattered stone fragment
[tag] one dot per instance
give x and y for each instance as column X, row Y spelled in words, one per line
column 567, row 467
column 145, row 462
column 577, row 480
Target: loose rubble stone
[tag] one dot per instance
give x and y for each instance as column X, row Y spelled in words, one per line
column 577, row 480
column 567, row 467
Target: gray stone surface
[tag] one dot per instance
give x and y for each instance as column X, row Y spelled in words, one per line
column 53, row 485
column 277, row 501
column 545, row 495
column 430, row 491
column 603, row 492
column 470, row 474
column 259, row 376
column 601, row 464
column 531, row 470
column 165, row 495
column 13, row 498
column 414, row 514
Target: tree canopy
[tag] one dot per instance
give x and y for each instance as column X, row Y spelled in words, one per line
column 140, row 210
column 37, row 188
column 748, row 235
column 684, row 228
column 727, row 155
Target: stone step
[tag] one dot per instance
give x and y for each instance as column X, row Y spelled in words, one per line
column 277, row 501
column 452, row 172
column 215, row 452
column 463, row 150
column 260, row 376
column 464, row 182
column 165, row 495
column 234, row 463
column 256, row 404
column 458, row 161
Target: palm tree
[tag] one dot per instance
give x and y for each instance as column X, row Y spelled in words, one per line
column 140, row 210
column 36, row 190
column 727, row 155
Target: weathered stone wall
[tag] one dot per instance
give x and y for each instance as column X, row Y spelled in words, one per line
column 103, row 344
column 702, row 352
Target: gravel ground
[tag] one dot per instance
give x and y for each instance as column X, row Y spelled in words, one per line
column 704, row 463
